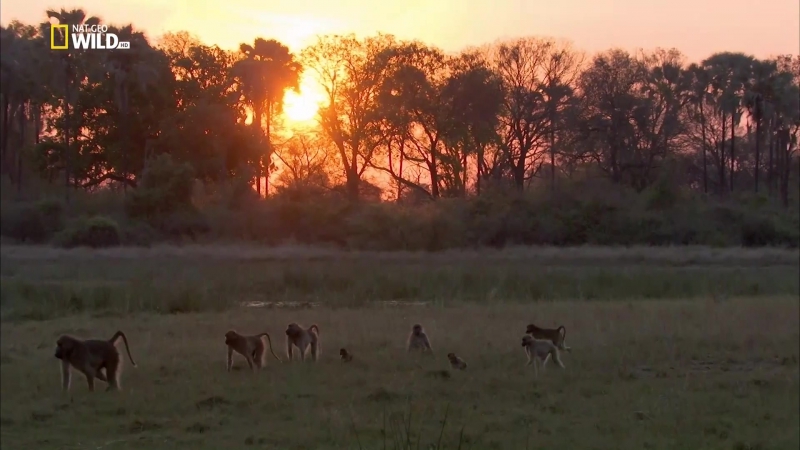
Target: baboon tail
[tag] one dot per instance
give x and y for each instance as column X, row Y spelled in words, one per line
column 314, row 327
column 270, row 345
column 563, row 330
column 113, row 341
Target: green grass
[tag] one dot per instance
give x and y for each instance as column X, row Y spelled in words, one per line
column 711, row 369
column 41, row 282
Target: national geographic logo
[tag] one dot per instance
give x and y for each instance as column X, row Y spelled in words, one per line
column 84, row 37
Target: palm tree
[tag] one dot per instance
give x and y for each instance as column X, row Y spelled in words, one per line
column 21, row 95
column 699, row 98
column 130, row 69
column 69, row 76
column 730, row 73
column 266, row 73
column 760, row 90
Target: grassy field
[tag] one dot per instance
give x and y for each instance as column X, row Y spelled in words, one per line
column 690, row 348
column 41, row 283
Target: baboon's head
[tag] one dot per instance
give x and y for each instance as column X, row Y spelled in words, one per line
column 293, row 330
column 531, row 328
column 64, row 347
column 416, row 329
column 527, row 341
column 230, row 336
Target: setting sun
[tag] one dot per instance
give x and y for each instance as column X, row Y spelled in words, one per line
column 299, row 107
column 303, row 106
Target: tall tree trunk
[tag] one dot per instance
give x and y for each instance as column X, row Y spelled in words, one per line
column 352, row 175
column 464, row 174
column 721, row 167
column 6, row 133
column 786, row 165
column 552, row 151
column 705, row 149
column 269, row 148
column 257, row 113
column 433, row 167
column 733, row 149
column 771, row 157
column 67, row 127
column 758, row 142
column 481, row 170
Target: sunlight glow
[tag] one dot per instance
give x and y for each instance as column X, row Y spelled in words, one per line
column 300, row 109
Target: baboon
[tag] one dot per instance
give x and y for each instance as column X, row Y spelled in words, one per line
column 557, row 336
column 418, row 340
column 302, row 338
column 251, row 347
column 541, row 349
column 456, row 362
column 91, row 357
column 345, row 355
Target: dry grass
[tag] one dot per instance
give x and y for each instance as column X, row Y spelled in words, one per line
column 643, row 375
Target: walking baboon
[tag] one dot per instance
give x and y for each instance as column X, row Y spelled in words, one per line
column 91, row 357
column 251, row 347
column 540, row 349
column 302, row 339
column 557, row 336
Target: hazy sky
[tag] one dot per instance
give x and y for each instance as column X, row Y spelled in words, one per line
column 696, row 27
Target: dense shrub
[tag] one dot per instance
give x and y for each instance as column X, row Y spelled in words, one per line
column 31, row 222
column 94, row 232
column 589, row 212
column 163, row 200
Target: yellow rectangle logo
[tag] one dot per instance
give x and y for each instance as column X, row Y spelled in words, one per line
column 53, row 45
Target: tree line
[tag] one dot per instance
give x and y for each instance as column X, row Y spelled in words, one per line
column 519, row 116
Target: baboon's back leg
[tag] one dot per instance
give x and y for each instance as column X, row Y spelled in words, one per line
column 90, row 381
column 100, row 375
column 112, row 372
column 258, row 359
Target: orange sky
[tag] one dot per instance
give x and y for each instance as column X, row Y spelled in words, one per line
column 696, row 27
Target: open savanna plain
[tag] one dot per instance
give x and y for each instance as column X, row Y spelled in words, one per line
column 673, row 348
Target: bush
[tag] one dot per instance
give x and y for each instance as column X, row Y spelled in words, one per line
column 31, row 222
column 164, row 199
column 166, row 188
column 94, row 232
column 764, row 231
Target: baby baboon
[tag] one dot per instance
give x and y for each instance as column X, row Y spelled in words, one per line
column 557, row 336
column 251, row 347
column 91, row 357
column 418, row 340
column 345, row 355
column 302, row 338
column 541, row 349
column 456, row 362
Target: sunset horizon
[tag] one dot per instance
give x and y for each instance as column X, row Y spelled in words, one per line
column 590, row 26
column 278, row 204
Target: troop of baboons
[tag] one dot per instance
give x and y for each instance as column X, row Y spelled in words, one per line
column 100, row 359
